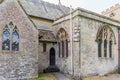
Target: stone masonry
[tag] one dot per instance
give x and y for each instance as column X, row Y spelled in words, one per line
column 85, row 25
column 73, row 34
column 16, row 65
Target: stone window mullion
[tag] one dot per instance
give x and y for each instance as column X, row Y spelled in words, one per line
column 10, row 39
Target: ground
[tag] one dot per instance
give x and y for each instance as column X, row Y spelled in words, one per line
column 46, row 76
column 108, row 77
column 59, row 76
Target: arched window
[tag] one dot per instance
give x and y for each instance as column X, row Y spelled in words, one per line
column 62, row 43
column 15, row 39
column 6, row 39
column 10, row 38
column 105, row 38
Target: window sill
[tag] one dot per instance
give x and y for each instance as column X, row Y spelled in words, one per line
column 11, row 52
column 63, row 58
column 105, row 58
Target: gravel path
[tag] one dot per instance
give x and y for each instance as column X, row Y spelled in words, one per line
column 114, row 78
column 60, row 76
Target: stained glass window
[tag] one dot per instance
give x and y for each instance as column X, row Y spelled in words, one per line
column 15, row 40
column 6, row 39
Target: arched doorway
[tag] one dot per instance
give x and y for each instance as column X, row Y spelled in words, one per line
column 52, row 57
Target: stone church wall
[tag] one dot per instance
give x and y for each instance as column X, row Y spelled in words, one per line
column 70, row 64
column 86, row 25
column 91, row 63
column 17, row 65
column 64, row 63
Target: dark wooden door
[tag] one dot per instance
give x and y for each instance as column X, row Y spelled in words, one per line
column 52, row 57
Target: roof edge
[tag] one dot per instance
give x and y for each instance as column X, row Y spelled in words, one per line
column 86, row 13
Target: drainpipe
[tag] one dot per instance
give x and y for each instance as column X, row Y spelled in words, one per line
column 71, row 41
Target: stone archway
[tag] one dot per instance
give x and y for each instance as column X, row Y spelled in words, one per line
column 52, row 57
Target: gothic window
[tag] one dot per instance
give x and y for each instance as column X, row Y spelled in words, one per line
column 62, row 48
column 62, row 43
column 44, row 47
column 66, row 48
column 6, row 39
column 15, row 40
column 99, row 48
column 10, row 38
column 105, row 38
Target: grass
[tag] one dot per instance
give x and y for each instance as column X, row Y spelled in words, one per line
column 46, row 76
column 100, row 77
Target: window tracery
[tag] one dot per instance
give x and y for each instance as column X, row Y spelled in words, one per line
column 10, row 38
column 62, row 43
column 105, row 40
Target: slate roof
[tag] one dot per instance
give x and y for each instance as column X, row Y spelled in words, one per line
column 45, row 35
column 42, row 9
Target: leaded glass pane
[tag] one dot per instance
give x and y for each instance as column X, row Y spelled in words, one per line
column 110, row 48
column 44, row 47
column 105, row 48
column 15, row 41
column 59, row 48
column 6, row 39
column 62, row 48
column 99, row 48
column 66, row 48
column 11, row 24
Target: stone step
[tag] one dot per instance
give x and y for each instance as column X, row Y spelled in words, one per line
column 51, row 69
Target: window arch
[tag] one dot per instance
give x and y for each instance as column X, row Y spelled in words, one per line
column 62, row 43
column 10, row 38
column 105, row 39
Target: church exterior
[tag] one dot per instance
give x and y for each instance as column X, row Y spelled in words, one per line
column 37, row 36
